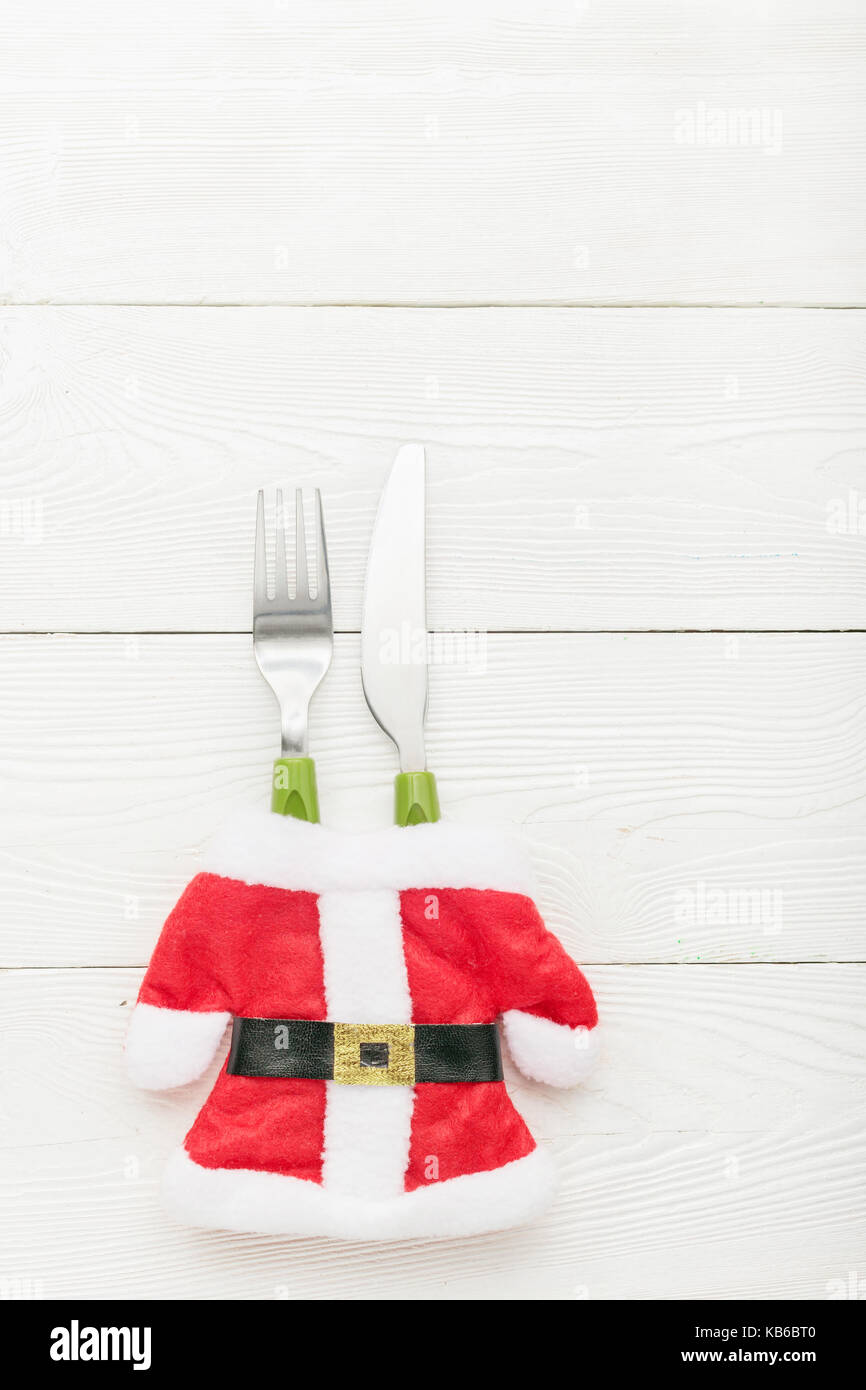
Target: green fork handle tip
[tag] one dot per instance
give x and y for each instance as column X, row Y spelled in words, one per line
column 293, row 789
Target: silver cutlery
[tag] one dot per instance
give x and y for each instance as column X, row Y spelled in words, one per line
column 293, row 641
column 394, row 632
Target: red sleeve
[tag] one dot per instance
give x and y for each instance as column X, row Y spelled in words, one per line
column 525, row 965
column 186, row 968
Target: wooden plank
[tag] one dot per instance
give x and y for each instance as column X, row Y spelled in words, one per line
column 684, row 799
column 588, row 470
column 785, row 892
column 617, row 153
column 716, row 1153
column 692, row 803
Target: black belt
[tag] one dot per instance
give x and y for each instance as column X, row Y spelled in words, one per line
column 365, row 1054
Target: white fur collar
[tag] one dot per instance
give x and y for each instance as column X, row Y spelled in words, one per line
column 261, row 847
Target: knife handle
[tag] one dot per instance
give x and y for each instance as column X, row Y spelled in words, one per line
column 293, row 789
column 416, row 800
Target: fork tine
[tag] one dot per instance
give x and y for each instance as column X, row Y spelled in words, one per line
column 260, row 569
column 302, row 579
column 281, row 575
column 323, row 583
column 293, row 636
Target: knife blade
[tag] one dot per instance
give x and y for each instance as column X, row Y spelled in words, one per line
column 394, row 623
column 394, row 628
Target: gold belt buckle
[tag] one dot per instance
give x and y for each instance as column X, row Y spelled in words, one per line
column 374, row 1054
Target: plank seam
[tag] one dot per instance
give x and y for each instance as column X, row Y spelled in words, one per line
column 590, row 964
column 421, row 304
column 491, row 631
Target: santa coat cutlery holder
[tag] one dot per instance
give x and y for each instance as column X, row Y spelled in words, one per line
column 362, row 1097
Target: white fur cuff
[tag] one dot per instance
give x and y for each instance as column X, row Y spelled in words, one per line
column 169, row 1047
column 550, row 1052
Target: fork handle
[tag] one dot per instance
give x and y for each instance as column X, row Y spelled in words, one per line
column 416, row 800
column 293, row 789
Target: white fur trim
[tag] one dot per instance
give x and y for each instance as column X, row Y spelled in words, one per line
column 169, row 1047
column 367, row 1134
column 550, row 1052
column 241, row 1199
column 260, row 847
column 367, row 1129
column 361, row 936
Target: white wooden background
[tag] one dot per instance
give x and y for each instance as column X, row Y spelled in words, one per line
column 259, row 242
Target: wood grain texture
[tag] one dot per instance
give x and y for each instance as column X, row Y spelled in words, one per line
column 588, row 470
column 693, row 803
column 715, row 1153
column 684, row 800
column 481, row 153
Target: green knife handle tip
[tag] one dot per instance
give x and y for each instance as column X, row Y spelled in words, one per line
column 293, row 789
column 416, row 800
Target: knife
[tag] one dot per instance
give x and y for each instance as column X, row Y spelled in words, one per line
column 394, row 633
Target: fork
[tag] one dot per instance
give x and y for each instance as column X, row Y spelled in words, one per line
column 293, row 640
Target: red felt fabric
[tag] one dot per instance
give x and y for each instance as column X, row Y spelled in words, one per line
column 484, row 952
column 247, row 949
column 261, row 1122
column 459, row 1129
